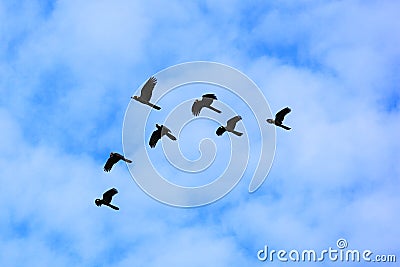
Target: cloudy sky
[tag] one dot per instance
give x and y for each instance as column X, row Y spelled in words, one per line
column 68, row 69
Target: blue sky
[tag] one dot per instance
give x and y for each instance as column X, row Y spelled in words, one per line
column 68, row 69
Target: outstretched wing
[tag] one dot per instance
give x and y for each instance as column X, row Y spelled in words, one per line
column 206, row 101
column 107, row 196
column 111, row 161
column 147, row 89
column 231, row 123
column 210, row 96
column 196, row 107
column 109, row 164
column 166, row 131
column 281, row 115
column 155, row 136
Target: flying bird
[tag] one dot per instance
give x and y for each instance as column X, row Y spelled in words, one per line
column 279, row 118
column 205, row 102
column 114, row 158
column 230, row 126
column 160, row 132
column 146, row 93
column 107, row 197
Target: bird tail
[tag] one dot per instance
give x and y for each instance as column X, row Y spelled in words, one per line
column 154, row 106
column 214, row 109
column 237, row 133
column 285, row 127
column 111, row 206
column 171, row 136
column 127, row 160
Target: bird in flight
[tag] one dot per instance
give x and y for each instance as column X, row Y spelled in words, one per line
column 146, row 93
column 205, row 102
column 114, row 158
column 106, row 200
column 230, row 126
column 160, row 132
column 279, row 118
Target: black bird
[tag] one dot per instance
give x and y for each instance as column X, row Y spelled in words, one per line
column 230, row 126
column 114, row 158
column 279, row 118
column 206, row 102
column 107, row 197
column 146, row 93
column 160, row 132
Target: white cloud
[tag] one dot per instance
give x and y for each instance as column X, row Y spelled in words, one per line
column 66, row 78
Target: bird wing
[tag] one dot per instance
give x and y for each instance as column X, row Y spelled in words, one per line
column 167, row 132
column 210, row 96
column 231, row 123
column 155, row 136
column 147, row 89
column 196, row 107
column 207, row 101
column 164, row 130
column 281, row 115
column 110, row 162
column 107, row 196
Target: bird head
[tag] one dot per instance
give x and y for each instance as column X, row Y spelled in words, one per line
column 111, row 154
column 270, row 121
column 98, row 202
column 220, row 130
column 134, row 97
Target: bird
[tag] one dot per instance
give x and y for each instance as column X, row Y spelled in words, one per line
column 205, row 102
column 146, row 93
column 279, row 118
column 230, row 126
column 107, row 197
column 160, row 132
column 114, row 158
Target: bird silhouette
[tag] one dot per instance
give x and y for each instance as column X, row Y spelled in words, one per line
column 114, row 158
column 205, row 102
column 146, row 93
column 160, row 132
column 106, row 200
column 279, row 117
column 230, row 126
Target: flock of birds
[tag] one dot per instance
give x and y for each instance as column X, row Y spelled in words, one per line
column 206, row 102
